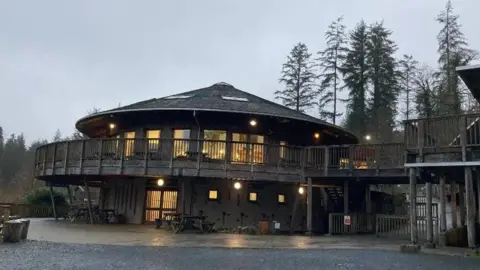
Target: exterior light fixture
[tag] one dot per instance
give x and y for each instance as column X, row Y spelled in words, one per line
column 237, row 185
column 253, row 122
column 368, row 137
column 160, row 182
column 316, row 135
column 111, row 125
column 301, row 190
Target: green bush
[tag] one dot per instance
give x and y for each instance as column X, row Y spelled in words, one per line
column 41, row 196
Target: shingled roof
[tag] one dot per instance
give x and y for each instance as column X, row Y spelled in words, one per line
column 220, row 97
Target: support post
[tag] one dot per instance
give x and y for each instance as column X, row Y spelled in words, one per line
column 453, row 191
column 368, row 200
column 461, row 203
column 470, row 203
column 477, row 173
column 53, row 201
column 443, row 206
column 89, row 202
column 428, row 187
column 413, row 206
column 309, row 206
column 346, row 209
column 70, row 197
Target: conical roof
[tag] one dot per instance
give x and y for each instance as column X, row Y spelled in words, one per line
column 220, row 97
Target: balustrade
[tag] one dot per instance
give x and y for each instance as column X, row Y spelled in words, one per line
column 142, row 152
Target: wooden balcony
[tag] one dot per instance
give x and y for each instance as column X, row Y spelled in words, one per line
column 207, row 158
column 443, row 139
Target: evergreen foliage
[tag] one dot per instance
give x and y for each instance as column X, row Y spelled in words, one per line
column 298, row 78
column 330, row 60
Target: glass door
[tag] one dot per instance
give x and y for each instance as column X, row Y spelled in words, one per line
column 160, row 202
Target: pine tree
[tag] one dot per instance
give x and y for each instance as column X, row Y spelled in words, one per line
column 299, row 79
column 408, row 67
column 355, row 70
column 383, row 77
column 331, row 60
column 426, row 101
column 452, row 47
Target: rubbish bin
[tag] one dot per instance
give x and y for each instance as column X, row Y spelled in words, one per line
column 263, row 226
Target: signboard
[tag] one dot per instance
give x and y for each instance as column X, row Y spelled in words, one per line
column 346, row 220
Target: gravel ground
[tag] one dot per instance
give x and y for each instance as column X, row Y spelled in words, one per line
column 45, row 255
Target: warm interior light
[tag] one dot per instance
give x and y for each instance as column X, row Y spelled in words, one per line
column 316, row 135
column 368, row 137
column 237, row 185
column 301, row 190
column 160, row 182
column 253, row 122
column 111, row 125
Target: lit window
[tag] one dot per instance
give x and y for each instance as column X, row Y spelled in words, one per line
column 178, row 97
column 235, row 98
column 213, row 194
column 214, row 144
column 129, row 142
column 153, row 137
column 282, row 149
column 181, row 142
column 281, row 198
column 252, row 196
column 247, row 148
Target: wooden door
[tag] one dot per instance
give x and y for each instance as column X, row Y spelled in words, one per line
column 160, row 202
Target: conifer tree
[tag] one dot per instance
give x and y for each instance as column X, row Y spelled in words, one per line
column 408, row 67
column 452, row 47
column 355, row 70
column 331, row 60
column 383, row 75
column 298, row 77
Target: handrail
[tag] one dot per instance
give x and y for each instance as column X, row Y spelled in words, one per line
column 147, row 152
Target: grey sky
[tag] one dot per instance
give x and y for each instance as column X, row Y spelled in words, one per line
column 61, row 58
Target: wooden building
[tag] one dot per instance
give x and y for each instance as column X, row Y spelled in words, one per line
column 231, row 155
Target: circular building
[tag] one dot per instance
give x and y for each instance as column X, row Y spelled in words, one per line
column 232, row 156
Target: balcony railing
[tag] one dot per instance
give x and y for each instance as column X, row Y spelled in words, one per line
column 169, row 152
column 444, row 132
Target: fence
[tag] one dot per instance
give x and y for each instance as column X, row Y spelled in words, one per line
column 35, row 211
column 359, row 223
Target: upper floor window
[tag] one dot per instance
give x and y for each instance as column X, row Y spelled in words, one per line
column 129, row 142
column 181, row 143
column 214, row 144
column 247, row 148
column 153, row 137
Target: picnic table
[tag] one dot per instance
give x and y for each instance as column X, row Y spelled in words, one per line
column 179, row 221
column 104, row 215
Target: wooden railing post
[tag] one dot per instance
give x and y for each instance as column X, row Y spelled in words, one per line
column 100, row 157
column 45, row 159
column 463, row 136
column 82, row 150
column 420, row 139
column 65, row 159
column 326, row 160
column 146, row 155
column 54, row 156
column 122, row 144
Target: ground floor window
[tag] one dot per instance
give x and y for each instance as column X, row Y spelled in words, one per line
column 160, row 202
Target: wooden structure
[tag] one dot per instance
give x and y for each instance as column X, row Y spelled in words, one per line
column 447, row 148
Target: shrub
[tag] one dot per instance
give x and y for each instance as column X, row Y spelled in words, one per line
column 41, row 196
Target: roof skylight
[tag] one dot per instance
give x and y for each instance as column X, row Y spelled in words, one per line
column 178, row 97
column 235, row 98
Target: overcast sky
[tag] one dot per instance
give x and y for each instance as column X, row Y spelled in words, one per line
column 58, row 59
